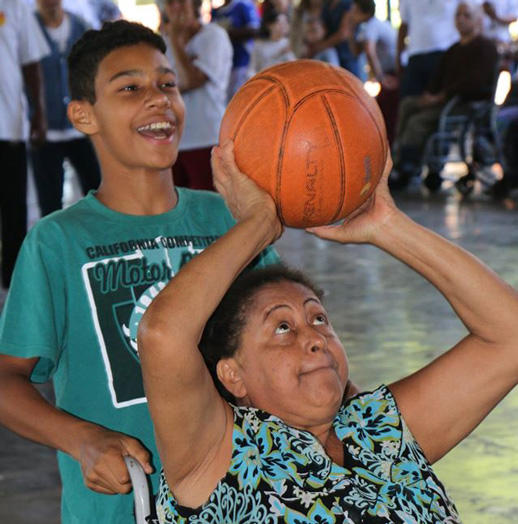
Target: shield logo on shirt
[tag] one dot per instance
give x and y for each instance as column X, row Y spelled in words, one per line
column 120, row 289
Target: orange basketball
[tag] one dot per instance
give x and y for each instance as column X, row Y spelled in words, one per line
column 309, row 134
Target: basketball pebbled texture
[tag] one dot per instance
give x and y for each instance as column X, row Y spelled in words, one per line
column 309, row 134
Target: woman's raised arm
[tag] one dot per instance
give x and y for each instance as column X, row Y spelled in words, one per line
column 192, row 423
column 443, row 402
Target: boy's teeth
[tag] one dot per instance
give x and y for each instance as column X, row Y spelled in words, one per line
column 155, row 125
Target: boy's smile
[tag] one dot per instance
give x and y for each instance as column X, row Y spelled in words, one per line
column 139, row 113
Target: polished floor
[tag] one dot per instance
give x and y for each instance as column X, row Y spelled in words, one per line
column 391, row 322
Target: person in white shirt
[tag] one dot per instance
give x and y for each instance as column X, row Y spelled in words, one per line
column 83, row 8
column 499, row 15
column 378, row 39
column 273, row 46
column 22, row 46
column 61, row 29
column 429, row 27
column 201, row 55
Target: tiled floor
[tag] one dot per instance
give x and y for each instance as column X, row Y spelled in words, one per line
column 391, row 322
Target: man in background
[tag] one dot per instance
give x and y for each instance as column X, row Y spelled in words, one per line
column 61, row 29
column 466, row 70
column 201, row 55
column 378, row 39
column 22, row 46
column 241, row 20
column 429, row 28
column 500, row 14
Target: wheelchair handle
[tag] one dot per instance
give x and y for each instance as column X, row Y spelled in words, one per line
column 140, row 490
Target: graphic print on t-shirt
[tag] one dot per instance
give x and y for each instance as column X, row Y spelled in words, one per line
column 119, row 289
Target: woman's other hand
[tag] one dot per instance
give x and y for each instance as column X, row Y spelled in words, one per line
column 364, row 224
column 243, row 196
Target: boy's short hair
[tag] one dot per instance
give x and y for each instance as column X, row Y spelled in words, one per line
column 367, row 7
column 94, row 45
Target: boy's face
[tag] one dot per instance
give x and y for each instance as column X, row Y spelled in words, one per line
column 139, row 114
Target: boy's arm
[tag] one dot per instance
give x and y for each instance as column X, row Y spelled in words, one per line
column 99, row 450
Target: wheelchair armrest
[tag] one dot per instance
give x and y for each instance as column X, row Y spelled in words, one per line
column 446, row 111
column 140, row 490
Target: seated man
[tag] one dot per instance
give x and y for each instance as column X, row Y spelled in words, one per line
column 467, row 69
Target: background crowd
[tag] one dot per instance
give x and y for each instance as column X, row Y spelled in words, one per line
column 442, row 50
column 213, row 52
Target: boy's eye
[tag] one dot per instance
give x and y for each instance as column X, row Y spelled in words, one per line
column 131, row 87
column 282, row 328
column 169, row 85
column 320, row 320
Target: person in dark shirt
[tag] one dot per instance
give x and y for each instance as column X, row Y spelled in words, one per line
column 335, row 15
column 467, row 69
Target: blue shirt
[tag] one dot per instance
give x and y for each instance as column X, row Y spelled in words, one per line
column 238, row 14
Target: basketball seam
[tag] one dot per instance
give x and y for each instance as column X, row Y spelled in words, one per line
column 341, row 154
column 324, row 90
column 279, row 167
column 380, row 133
column 349, row 95
column 250, row 109
column 280, row 86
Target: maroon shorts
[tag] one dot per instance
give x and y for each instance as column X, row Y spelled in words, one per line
column 192, row 169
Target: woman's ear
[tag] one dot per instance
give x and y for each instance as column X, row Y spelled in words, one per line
column 81, row 114
column 228, row 374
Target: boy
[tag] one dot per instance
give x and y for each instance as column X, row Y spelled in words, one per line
column 85, row 276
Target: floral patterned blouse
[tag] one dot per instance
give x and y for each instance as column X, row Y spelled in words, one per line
column 279, row 474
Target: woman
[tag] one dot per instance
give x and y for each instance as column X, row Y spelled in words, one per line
column 292, row 451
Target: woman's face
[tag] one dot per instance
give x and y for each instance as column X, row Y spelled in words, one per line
column 290, row 360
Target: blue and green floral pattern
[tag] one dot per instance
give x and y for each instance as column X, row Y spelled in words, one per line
column 279, row 474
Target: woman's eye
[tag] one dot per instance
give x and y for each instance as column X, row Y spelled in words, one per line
column 320, row 320
column 282, row 328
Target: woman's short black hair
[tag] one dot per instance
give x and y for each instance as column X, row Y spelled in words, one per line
column 94, row 45
column 222, row 335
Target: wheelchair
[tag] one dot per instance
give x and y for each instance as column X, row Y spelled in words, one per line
column 467, row 133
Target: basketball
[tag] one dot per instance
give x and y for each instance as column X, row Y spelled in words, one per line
column 309, row 134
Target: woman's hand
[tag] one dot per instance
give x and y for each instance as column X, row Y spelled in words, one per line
column 364, row 224
column 242, row 195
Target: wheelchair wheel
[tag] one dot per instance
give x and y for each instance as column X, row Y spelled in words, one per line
column 433, row 181
column 466, row 184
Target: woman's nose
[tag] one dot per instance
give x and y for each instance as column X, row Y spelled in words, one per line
column 315, row 340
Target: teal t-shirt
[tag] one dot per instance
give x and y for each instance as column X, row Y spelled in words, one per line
column 83, row 280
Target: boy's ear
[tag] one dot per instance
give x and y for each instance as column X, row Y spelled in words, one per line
column 81, row 114
column 228, row 374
